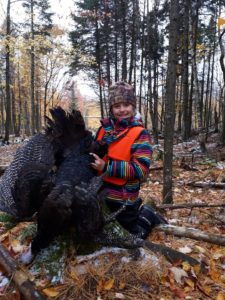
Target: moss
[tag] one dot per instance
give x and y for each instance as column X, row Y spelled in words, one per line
column 28, row 232
column 8, row 221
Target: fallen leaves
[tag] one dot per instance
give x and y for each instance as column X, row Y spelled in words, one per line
column 105, row 285
column 178, row 274
column 50, row 292
column 137, row 280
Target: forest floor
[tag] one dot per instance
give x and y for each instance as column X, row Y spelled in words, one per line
column 121, row 274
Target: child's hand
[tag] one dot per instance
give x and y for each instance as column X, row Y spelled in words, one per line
column 98, row 164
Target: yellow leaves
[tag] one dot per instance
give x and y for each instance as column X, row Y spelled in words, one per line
column 199, row 249
column 222, row 279
column 204, row 289
column 219, row 254
column 51, row 292
column 105, row 285
column 186, row 266
column 220, row 296
column 190, row 283
column 197, row 269
column 220, row 22
column 122, row 285
column 213, row 272
column 200, row 47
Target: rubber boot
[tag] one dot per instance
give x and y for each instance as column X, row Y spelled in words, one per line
column 148, row 218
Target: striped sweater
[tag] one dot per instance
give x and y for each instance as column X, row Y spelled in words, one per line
column 136, row 169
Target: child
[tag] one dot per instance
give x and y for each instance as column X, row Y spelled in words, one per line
column 127, row 161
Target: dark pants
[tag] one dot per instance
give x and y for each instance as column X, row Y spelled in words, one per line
column 136, row 218
column 127, row 218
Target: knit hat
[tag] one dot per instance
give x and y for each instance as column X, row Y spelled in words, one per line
column 121, row 92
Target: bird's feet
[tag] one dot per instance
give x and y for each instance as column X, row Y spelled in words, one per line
column 112, row 216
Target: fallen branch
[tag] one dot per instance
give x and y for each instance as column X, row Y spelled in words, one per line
column 192, row 233
column 171, row 255
column 156, row 168
column 201, row 184
column 189, row 205
column 19, row 277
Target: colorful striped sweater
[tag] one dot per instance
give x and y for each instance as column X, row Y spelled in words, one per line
column 136, row 169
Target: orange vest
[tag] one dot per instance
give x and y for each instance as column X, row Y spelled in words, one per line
column 120, row 149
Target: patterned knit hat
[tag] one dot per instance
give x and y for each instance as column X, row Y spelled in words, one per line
column 121, row 92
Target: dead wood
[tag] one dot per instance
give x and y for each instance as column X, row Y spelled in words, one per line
column 170, row 254
column 19, row 277
column 189, row 205
column 192, row 233
column 201, row 184
column 156, row 168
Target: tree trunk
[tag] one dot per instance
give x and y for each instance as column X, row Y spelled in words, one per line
column 7, row 73
column 98, row 60
column 107, row 34
column 32, row 68
column 195, row 94
column 210, row 110
column 116, row 41
column 185, row 87
column 207, row 88
column 124, row 41
column 170, row 102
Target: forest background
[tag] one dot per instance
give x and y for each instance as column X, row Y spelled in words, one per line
column 171, row 51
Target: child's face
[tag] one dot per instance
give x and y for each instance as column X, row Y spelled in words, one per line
column 122, row 110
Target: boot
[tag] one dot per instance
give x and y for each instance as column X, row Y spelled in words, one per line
column 148, row 218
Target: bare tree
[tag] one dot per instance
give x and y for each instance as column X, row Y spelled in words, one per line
column 169, row 118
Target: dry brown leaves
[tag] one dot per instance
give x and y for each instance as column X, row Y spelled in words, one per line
column 112, row 279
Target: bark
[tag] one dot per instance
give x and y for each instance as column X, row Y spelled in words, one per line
column 185, row 89
column 32, row 69
column 192, row 233
column 202, row 89
column 196, row 94
column 7, row 74
column 135, row 26
column 170, row 103
column 107, row 34
column 124, row 40
column 155, row 103
column 222, row 65
column 207, row 88
column 209, row 116
column 19, row 277
column 116, row 42
column 19, row 99
column 98, row 60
